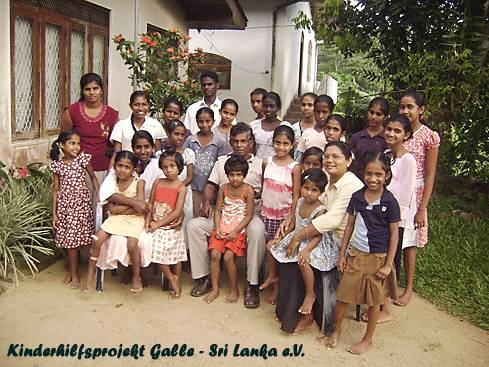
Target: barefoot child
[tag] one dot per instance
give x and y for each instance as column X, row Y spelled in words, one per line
column 167, row 199
column 123, row 219
column 306, row 252
column 228, row 111
column 281, row 190
column 424, row 147
column 234, row 210
column 368, row 274
column 72, row 204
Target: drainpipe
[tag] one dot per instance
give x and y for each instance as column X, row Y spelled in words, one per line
column 136, row 38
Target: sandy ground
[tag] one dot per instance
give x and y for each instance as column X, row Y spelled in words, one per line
column 43, row 310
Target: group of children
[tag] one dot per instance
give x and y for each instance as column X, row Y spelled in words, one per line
column 387, row 217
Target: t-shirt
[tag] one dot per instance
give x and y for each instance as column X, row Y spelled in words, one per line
column 362, row 142
column 264, row 139
column 190, row 120
column 224, row 137
column 311, row 138
column 124, row 131
column 372, row 221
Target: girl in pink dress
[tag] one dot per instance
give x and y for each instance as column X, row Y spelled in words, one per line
column 424, row 147
column 72, row 209
column 280, row 193
column 234, row 211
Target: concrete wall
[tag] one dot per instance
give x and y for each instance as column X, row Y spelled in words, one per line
column 165, row 14
column 250, row 51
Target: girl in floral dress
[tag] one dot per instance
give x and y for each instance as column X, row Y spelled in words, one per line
column 72, row 208
column 424, row 147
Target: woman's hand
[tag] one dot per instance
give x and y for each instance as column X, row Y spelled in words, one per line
column 292, row 248
column 341, row 265
column 304, row 257
column 420, row 218
column 384, row 271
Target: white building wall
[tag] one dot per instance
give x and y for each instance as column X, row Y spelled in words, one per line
column 165, row 14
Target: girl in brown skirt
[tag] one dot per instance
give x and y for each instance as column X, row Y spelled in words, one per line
column 368, row 277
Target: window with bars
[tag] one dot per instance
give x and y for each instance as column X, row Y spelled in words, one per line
column 53, row 43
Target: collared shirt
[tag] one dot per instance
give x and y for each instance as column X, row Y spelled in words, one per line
column 205, row 157
column 124, row 131
column 372, row 221
column 253, row 178
column 336, row 199
column 362, row 142
column 190, row 120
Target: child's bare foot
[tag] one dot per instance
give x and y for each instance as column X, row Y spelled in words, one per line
column 67, row 279
column 233, row 296
column 137, row 285
column 271, row 279
column 75, row 282
column 90, row 283
column 404, row 299
column 213, row 294
column 126, row 276
column 272, row 298
column 175, row 287
column 332, row 340
column 306, row 307
column 383, row 317
column 305, row 323
column 360, row 348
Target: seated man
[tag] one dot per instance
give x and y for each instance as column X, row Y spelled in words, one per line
column 199, row 229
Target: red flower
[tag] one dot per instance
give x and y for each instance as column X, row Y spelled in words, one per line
column 22, row 173
column 153, row 43
column 186, row 49
column 200, row 49
column 146, row 39
column 170, row 50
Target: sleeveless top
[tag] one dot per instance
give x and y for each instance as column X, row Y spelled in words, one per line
column 165, row 201
column 277, row 190
column 94, row 132
column 233, row 210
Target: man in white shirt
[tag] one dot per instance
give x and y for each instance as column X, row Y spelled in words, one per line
column 209, row 83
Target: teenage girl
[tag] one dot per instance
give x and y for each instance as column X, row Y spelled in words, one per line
column 124, row 130
column 228, row 112
column 172, row 110
column 368, row 275
column 372, row 137
column 207, row 147
column 424, row 147
column 72, row 204
column 283, row 250
column 256, row 101
column 167, row 200
column 335, row 128
column 312, row 158
column 123, row 219
column 234, row 211
column 307, row 119
column 281, row 190
column 314, row 136
column 263, row 129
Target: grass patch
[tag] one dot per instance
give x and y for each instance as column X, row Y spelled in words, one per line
column 453, row 270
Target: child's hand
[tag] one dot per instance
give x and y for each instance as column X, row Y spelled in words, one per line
column 341, row 265
column 153, row 226
column 420, row 218
column 141, row 207
column 292, row 248
column 272, row 244
column 286, row 225
column 232, row 235
column 219, row 234
column 177, row 224
column 304, row 257
column 54, row 222
column 384, row 271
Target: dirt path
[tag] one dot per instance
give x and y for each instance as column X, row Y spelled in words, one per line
column 45, row 311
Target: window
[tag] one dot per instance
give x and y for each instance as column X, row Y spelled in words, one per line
column 53, row 43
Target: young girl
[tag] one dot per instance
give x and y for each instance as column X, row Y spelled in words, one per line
column 281, row 190
column 372, row 137
column 402, row 186
column 307, row 119
column 124, row 130
column 314, row 136
column 123, row 219
column 207, row 147
column 228, row 111
column 312, row 158
column 234, row 210
column 308, row 207
column 176, row 134
column 167, row 200
column 368, row 275
column 424, row 147
column 172, row 110
column 335, row 128
column 72, row 204
column 256, row 101
column 263, row 129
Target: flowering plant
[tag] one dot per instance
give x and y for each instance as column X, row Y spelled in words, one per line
column 163, row 65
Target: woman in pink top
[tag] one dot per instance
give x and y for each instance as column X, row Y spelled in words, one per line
column 424, row 147
column 93, row 121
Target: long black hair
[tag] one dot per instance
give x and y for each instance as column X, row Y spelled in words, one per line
column 63, row 136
